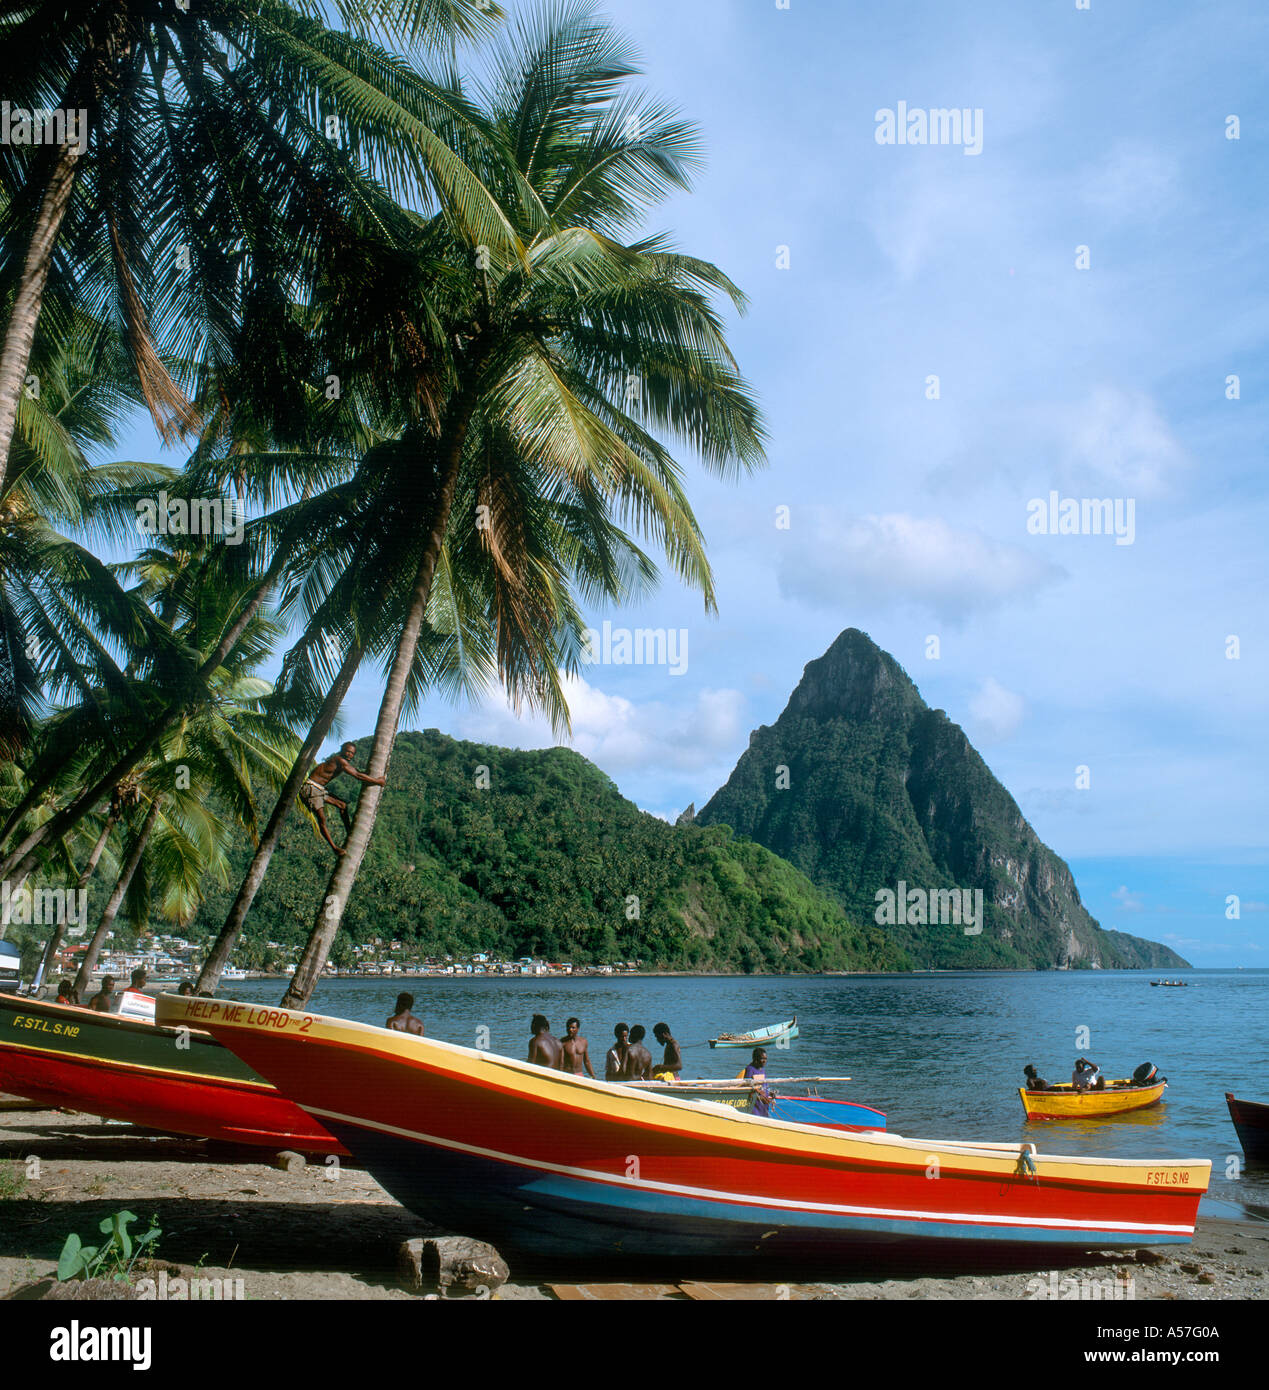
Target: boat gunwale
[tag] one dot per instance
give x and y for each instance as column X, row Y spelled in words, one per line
column 81, row 1013
column 398, row 1046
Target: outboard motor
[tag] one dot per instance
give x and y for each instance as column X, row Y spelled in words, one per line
column 1145, row 1075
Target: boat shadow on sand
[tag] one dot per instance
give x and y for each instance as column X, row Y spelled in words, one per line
column 241, row 1226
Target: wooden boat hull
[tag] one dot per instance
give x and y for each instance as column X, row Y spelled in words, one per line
column 1251, row 1120
column 1066, row 1103
column 760, row 1037
column 550, row 1164
column 126, row 1069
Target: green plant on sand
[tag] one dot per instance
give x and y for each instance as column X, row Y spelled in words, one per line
column 114, row 1258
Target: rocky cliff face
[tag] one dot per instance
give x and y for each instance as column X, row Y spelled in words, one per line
column 884, row 802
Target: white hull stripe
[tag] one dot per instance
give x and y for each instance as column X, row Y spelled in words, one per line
column 589, row 1175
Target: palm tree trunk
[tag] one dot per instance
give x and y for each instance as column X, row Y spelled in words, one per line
column 59, row 931
column 218, row 957
column 115, row 900
column 20, row 334
column 57, row 826
column 331, row 910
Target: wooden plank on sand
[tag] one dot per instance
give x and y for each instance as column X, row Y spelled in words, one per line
column 736, row 1293
column 613, row 1293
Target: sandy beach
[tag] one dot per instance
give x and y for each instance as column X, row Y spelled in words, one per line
column 331, row 1232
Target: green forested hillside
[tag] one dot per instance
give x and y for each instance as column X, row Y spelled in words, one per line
column 537, row 853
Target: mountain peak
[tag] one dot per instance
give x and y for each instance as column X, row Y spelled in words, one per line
column 854, row 679
column 873, row 794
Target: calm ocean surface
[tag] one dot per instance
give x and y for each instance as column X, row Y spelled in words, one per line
column 941, row 1055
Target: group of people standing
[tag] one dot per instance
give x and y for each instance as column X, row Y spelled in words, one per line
column 627, row 1060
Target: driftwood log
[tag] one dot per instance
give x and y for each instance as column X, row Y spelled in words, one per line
column 451, row 1263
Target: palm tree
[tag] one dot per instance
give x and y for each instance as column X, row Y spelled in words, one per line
column 218, row 154
column 202, row 790
column 540, row 413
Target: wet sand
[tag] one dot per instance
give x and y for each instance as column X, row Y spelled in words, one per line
column 331, row 1232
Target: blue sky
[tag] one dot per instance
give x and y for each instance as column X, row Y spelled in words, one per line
column 1103, row 129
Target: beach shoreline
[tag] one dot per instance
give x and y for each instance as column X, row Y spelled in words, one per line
column 231, row 1216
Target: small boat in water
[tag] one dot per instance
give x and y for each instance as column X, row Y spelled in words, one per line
column 549, row 1164
column 1251, row 1120
column 127, row 1068
column 801, row 1110
column 1065, row 1102
column 818, row 1110
column 760, row 1037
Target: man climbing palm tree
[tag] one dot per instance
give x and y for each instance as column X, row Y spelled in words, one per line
column 315, row 796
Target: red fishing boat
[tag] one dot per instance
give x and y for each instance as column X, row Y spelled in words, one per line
column 1251, row 1120
column 551, row 1164
column 178, row 1080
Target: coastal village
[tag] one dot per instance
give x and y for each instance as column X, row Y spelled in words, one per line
column 168, row 958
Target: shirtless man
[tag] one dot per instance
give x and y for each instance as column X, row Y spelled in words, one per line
column 543, row 1048
column 639, row 1063
column 315, row 796
column 403, row 1021
column 107, row 1001
column 618, row 1058
column 576, row 1053
column 673, row 1063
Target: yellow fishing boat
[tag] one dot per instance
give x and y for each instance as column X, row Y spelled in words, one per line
column 1064, row 1102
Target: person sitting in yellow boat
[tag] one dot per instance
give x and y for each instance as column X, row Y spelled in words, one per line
column 1087, row 1076
column 1034, row 1082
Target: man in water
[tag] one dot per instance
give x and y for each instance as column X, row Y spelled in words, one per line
column 639, row 1063
column 315, row 796
column 576, row 1052
column 754, row 1073
column 105, row 1002
column 618, row 1058
column 543, row 1048
column 673, row 1062
column 403, row 1021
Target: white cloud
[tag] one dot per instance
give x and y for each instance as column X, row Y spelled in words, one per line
column 1128, row 902
column 996, row 713
column 899, row 558
column 618, row 734
column 1120, row 438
